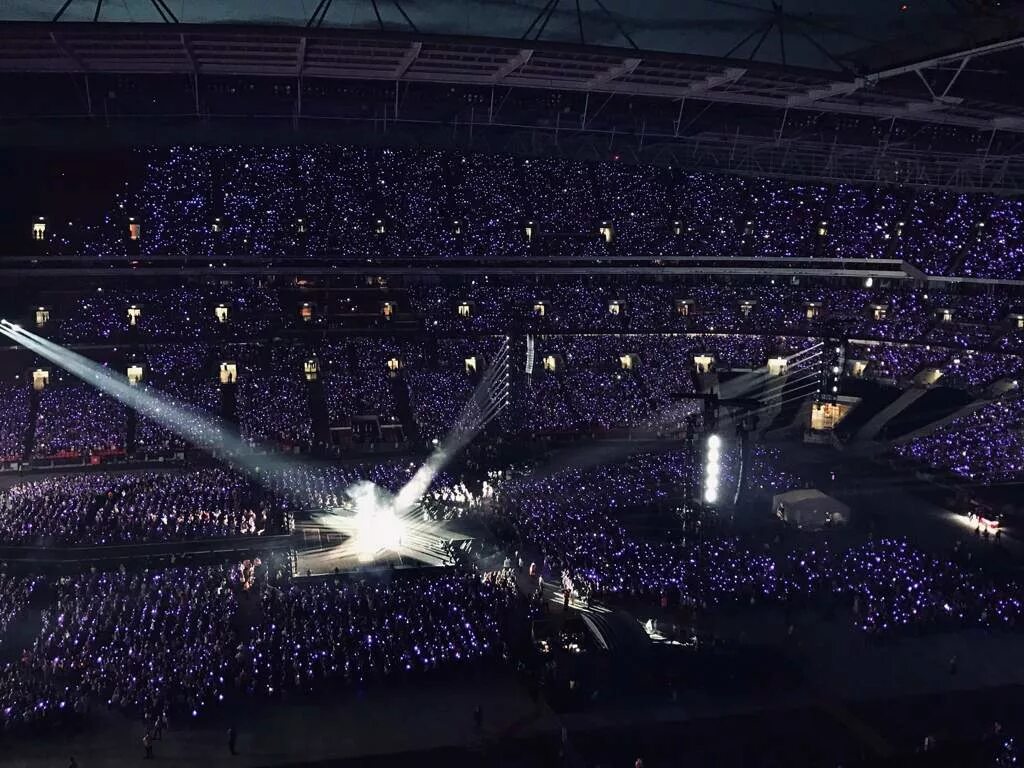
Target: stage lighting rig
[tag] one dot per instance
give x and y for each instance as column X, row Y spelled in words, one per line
column 712, row 468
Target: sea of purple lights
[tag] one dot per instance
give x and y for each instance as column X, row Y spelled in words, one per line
column 357, row 383
column 145, row 642
column 146, row 506
column 318, row 201
column 590, row 392
column 898, row 361
column 14, row 416
column 273, row 406
column 138, row 506
column 15, row 592
column 574, row 305
column 976, row 369
column 165, row 641
column 986, row 445
column 572, row 519
column 183, row 373
column 179, row 312
column 315, row 636
column 76, row 419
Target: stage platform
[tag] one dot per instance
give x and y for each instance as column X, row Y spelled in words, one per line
column 319, row 551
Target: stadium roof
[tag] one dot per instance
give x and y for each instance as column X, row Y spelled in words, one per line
column 923, row 92
column 840, row 35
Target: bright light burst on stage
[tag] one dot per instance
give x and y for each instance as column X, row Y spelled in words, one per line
column 373, row 527
column 377, row 528
column 369, row 522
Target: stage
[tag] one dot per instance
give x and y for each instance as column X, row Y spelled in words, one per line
column 319, row 550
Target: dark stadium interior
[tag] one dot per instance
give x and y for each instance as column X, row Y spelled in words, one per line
column 570, row 383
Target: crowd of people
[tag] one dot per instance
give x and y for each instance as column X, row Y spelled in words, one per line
column 273, row 400
column 147, row 506
column 175, row 641
column 146, row 642
column 15, row 592
column 898, row 361
column 978, row 369
column 896, row 585
column 615, row 356
column 579, row 383
column 441, row 378
column 171, row 313
column 355, row 633
column 318, row 201
column 356, row 378
column 182, row 373
column 947, row 319
column 169, row 643
column 76, row 419
column 138, row 506
column 766, row 306
column 986, row 446
column 14, row 418
column 573, row 521
column 583, row 383
column 323, row 486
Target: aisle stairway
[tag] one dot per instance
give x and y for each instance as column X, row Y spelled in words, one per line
column 883, row 416
column 770, row 394
column 618, row 632
column 229, row 403
column 30, row 428
column 994, row 391
column 874, row 398
column 318, row 411
column 131, row 428
column 403, row 407
column 936, row 404
column 932, row 426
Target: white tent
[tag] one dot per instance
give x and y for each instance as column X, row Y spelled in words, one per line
column 810, row 508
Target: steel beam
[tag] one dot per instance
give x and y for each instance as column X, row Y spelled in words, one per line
column 66, row 53
column 831, row 91
column 300, row 55
column 949, row 58
column 510, row 66
column 730, row 75
column 407, row 60
column 615, row 72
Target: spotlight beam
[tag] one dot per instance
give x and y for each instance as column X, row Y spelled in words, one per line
column 804, row 391
column 816, row 348
column 478, row 411
column 748, row 382
column 788, row 383
column 185, row 421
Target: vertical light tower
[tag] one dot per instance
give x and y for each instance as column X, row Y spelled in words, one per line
column 712, row 468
